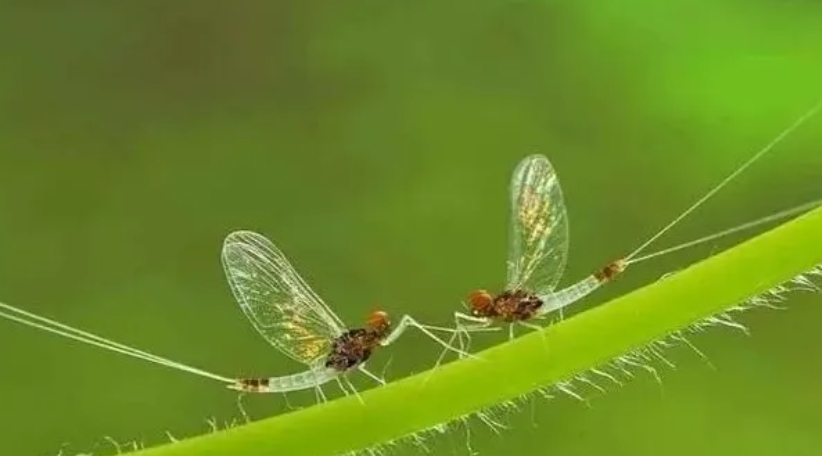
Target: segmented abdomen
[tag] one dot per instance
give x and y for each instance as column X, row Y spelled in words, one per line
column 294, row 382
column 569, row 295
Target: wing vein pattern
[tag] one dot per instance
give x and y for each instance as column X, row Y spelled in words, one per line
column 277, row 301
column 538, row 231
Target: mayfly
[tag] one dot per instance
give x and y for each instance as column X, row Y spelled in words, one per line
column 539, row 248
column 283, row 309
column 295, row 320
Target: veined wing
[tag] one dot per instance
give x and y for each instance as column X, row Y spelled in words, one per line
column 275, row 298
column 538, row 233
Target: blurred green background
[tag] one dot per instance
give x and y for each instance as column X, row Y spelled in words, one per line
column 373, row 142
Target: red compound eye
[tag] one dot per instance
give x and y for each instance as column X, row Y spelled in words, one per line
column 480, row 301
column 377, row 319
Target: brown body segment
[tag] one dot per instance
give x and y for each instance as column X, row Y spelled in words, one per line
column 508, row 306
column 351, row 349
column 354, row 347
column 253, row 385
column 610, row 271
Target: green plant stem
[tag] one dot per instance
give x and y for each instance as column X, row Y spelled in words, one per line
column 515, row 368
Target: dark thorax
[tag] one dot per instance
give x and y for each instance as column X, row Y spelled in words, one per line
column 515, row 305
column 354, row 347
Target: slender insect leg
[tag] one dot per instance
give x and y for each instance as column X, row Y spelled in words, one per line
column 480, row 322
column 373, row 376
column 318, row 392
column 531, row 326
column 456, row 334
column 537, row 328
column 473, row 324
column 407, row 321
column 287, row 402
column 440, row 328
column 385, row 367
column 466, row 324
column 462, row 330
column 443, row 353
column 354, row 389
column 340, row 384
column 463, row 323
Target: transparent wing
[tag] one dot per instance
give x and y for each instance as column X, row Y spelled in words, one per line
column 539, row 227
column 275, row 298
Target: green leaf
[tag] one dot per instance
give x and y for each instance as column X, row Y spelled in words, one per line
column 512, row 369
